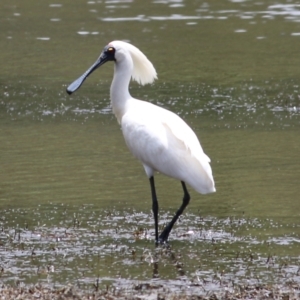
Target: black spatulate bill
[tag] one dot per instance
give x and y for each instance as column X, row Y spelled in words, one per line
column 105, row 56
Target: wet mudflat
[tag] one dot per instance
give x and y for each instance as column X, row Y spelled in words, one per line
column 112, row 253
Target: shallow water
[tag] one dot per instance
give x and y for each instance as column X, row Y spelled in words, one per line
column 71, row 196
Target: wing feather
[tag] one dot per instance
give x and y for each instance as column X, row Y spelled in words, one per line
column 165, row 143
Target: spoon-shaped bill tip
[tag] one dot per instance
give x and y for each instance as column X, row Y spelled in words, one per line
column 75, row 85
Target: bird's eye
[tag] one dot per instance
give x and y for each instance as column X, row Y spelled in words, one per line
column 111, row 50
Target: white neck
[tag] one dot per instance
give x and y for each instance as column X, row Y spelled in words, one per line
column 119, row 93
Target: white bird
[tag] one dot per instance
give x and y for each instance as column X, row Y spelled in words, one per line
column 158, row 138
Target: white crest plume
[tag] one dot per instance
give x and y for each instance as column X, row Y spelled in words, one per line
column 143, row 70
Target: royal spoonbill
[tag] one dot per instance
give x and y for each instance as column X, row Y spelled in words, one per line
column 157, row 137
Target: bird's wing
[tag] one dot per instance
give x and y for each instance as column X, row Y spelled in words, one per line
column 185, row 134
column 147, row 127
column 193, row 162
column 153, row 125
column 163, row 142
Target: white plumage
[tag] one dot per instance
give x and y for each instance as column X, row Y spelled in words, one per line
column 143, row 71
column 163, row 142
column 160, row 139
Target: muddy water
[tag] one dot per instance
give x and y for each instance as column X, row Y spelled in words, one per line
column 74, row 203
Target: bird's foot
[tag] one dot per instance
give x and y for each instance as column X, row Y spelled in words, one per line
column 163, row 238
column 162, row 244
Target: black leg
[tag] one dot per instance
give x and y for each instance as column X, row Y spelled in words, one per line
column 154, row 207
column 185, row 201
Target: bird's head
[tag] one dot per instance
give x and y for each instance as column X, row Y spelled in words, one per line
column 143, row 71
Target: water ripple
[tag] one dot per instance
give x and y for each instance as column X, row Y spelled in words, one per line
column 248, row 104
column 290, row 12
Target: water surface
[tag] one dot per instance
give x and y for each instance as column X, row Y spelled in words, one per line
column 76, row 206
